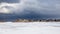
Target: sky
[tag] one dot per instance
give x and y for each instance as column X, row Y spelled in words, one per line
column 10, row 1
column 32, row 8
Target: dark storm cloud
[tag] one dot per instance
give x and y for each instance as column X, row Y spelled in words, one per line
column 48, row 7
column 10, row 1
column 32, row 9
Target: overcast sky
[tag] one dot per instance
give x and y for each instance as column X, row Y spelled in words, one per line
column 22, row 7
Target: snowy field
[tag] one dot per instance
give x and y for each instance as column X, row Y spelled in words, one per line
column 30, row 28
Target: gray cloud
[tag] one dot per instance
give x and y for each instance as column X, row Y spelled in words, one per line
column 46, row 7
column 10, row 1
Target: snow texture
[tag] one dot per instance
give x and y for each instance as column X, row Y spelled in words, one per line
column 30, row 28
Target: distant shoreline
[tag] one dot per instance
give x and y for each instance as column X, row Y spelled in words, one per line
column 27, row 20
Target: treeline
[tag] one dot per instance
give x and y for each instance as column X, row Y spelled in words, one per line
column 30, row 20
column 43, row 20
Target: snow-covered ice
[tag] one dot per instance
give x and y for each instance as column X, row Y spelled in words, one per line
column 30, row 28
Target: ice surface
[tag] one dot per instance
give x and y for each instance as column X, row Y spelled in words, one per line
column 30, row 28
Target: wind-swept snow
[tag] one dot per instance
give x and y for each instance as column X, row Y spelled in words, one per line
column 30, row 28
